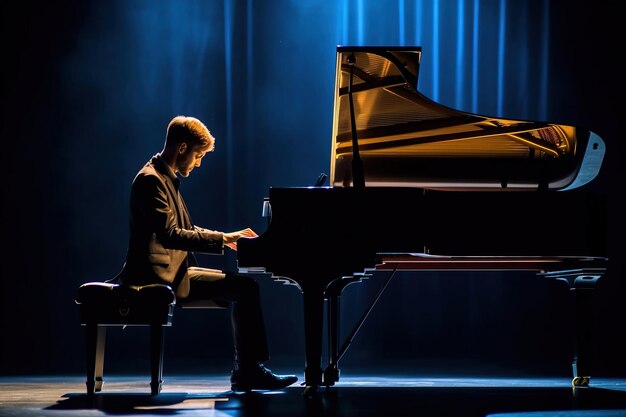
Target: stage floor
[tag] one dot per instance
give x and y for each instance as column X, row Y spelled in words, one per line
column 355, row 395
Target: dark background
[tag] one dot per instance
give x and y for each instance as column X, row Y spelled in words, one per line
column 88, row 89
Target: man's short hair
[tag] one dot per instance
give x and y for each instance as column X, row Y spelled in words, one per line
column 185, row 129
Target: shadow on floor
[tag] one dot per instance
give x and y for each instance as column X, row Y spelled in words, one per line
column 126, row 403
column 366, row 401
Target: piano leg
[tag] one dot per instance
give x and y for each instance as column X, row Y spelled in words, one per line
column 331, row 373
column 313, row 299
column 584, row 323
column 582, row 283
column 335, row 351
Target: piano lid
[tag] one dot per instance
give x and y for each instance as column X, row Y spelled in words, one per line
column 406, row 139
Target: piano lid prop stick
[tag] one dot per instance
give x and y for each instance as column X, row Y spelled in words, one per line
column 358, row 177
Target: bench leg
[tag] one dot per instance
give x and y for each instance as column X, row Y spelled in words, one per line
column 156, row 357
column 95, row 342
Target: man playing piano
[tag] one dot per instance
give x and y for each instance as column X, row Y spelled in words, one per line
column 162, row 239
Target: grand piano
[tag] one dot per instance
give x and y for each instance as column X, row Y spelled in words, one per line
column 418, row 186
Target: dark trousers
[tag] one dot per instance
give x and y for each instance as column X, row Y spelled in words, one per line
column 241, row 293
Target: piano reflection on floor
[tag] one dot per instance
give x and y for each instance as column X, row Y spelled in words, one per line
column 415, row 185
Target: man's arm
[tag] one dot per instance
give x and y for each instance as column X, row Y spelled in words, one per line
column 150, row 201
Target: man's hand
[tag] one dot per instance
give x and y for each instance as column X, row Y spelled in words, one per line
column 230, row 239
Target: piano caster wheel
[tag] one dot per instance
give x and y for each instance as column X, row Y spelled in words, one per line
column 580, row 381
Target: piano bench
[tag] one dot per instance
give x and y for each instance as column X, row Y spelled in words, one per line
column 104, row 304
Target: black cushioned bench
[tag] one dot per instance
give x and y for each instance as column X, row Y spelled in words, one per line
column 104, row 304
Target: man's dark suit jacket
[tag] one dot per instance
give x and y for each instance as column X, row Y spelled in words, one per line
column 161, row 232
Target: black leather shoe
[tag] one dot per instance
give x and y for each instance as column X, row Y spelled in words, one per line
column 259, row 378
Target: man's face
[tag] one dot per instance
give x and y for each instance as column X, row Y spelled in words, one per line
column 189, row 158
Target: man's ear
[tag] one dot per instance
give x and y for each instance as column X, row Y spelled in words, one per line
column 182, row 147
